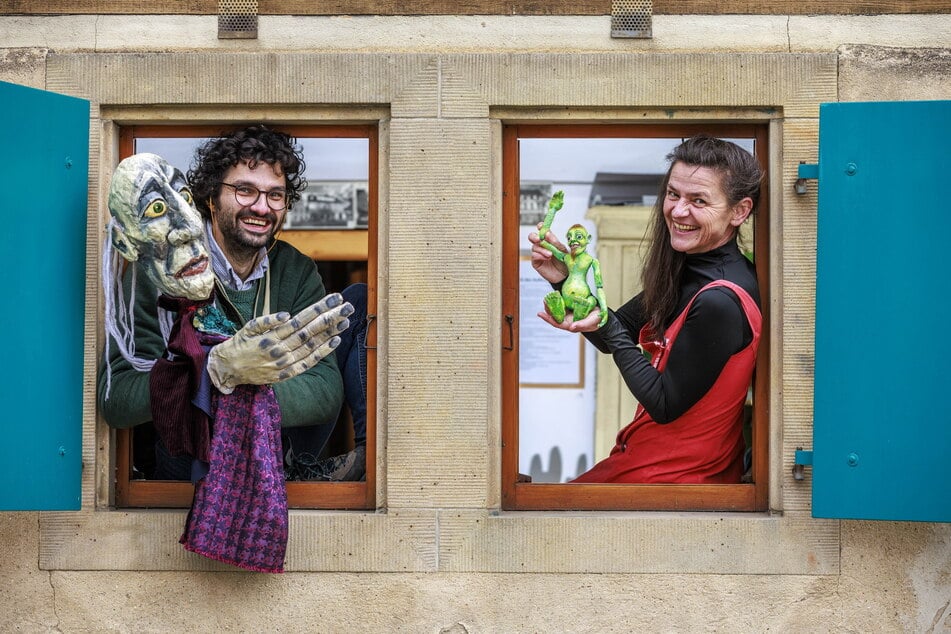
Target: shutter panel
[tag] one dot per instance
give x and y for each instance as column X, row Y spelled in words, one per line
column 882, row 427
column 43, row 207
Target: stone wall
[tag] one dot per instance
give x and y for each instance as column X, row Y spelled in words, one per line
column 438, row 556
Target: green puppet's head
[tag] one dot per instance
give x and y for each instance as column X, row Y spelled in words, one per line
column 156, row 224
column 578, row 238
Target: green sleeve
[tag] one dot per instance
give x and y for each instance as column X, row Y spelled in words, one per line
column 127, row 403
column 316, row 396
column 312, row 398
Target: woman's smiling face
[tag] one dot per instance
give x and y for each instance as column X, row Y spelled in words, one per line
column 697, row 211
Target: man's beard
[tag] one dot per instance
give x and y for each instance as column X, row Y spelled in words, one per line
column 238, row 239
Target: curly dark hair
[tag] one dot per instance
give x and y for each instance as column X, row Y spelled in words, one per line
column 253, row 144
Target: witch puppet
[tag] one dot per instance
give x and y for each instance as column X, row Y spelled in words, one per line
column 210, row 394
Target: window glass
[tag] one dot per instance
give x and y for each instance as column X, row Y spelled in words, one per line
column 571, row 400
column 337, row 171
column 332, row 223
column 557, row 370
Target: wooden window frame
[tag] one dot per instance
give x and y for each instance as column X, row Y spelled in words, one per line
column 320, row 245
column 528, row 496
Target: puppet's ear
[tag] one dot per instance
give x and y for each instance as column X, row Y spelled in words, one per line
column 123, row 245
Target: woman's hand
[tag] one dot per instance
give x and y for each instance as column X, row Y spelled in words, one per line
column 544, row 261
column 588, row 324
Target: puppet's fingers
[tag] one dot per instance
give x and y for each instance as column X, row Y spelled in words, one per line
column 261, row 325
column 306, row 341
column 317, row 331
column 332, row 304
column 310, row 360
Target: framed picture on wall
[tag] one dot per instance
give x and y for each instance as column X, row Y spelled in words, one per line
column 331, row 205
column 533, row 202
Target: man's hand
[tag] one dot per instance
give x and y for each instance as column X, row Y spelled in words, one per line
column 275, row 348
column 544, row 261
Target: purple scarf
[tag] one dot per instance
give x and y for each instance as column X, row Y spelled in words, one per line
column 239, row 512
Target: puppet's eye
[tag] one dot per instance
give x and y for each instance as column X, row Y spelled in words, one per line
column 187, row 195
column 156, row 209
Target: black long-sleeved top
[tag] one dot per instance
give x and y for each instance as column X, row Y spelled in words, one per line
column 715, row 329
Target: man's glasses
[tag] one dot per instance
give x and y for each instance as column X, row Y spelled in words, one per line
column 248, row 195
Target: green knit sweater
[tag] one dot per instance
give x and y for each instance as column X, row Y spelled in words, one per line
column 312, row 398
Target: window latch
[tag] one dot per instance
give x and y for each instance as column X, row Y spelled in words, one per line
column 510, row 321
column 371, row 318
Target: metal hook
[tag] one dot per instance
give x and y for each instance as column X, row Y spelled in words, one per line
column 510, row 320
column 366, row 335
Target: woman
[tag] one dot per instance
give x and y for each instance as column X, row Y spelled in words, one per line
column 698, row 318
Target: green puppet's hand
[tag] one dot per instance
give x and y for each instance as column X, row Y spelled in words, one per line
column 278, row 347
column 554, row 206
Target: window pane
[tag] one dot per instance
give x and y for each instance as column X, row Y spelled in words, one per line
column 557, row 370
column 337, row 173
column 331, row 224
column 326, row 158
column 561, row 434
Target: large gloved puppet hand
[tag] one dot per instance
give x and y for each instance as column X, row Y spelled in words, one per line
column 278, row 347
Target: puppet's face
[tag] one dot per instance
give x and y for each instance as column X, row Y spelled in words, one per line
column 578, row 238
column 158, row 225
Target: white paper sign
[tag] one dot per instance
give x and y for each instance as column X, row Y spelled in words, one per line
column 546, row 356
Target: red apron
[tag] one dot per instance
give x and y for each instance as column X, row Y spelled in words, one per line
column 705, row 445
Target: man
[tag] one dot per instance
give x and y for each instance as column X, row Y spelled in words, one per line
column 242, row 185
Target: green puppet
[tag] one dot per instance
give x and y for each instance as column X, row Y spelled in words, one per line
column 575, row 295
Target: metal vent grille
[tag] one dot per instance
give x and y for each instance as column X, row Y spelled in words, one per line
column 237, row 19
column 631, row 18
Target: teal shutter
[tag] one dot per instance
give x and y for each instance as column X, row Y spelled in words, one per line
column 43, row 207
column 882, row 427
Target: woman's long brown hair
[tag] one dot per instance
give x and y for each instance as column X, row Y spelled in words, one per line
column 740, row 177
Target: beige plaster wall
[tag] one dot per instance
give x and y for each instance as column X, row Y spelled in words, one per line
column 672, row 33
column 894, row 578
column 865, row 576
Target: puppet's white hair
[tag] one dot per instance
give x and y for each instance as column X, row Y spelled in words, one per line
column 119, row 315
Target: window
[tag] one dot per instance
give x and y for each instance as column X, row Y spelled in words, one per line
column 335, row 224
column 610, row 175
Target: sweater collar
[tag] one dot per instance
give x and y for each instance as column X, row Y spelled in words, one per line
column 225, row 272
column 729, row 252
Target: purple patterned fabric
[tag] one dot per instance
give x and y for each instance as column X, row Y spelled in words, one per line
column 239, row 513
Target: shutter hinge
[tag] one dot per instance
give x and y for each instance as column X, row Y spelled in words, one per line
column 807, row 171
column 803, row 459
